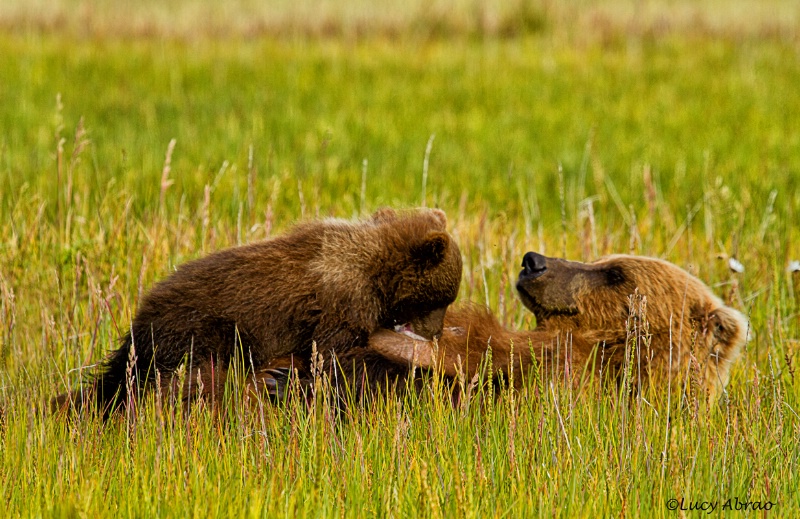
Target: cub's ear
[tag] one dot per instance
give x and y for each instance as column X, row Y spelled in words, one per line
column 384, row 215
column 729, row 326
column 432, row 250
column 440, row 216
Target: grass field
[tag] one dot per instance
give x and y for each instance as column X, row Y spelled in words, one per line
column 137, row 136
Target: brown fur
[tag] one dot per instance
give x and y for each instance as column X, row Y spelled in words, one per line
column 587, row 315
column 330, row 282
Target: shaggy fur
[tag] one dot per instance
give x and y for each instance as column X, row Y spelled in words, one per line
column 331, row 283
column 619, row 311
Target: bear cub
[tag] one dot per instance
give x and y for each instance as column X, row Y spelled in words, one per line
column 332, row 283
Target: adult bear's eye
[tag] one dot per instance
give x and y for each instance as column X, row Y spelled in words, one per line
column 614, row 276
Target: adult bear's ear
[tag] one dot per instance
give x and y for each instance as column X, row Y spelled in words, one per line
column 432, row 250
column 384, row 215
column 729, row 326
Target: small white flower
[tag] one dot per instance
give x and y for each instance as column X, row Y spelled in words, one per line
column 794, row 266
column 735, row 265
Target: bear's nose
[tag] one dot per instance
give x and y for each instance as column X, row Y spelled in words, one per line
column 534, row 263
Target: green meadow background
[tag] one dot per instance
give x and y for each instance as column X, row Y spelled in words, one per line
column 138, row 135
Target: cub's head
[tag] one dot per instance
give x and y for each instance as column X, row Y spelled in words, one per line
column 418, row 271
column 681, row 319
column 396, row 270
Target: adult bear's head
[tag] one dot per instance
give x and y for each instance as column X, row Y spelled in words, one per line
column 674, row 314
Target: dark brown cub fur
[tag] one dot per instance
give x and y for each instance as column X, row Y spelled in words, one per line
column 331, row 282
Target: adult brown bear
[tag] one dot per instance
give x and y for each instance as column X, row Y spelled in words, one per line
column 622, row 314
column 331, row 283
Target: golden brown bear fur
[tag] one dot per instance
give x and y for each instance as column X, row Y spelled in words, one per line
column 329, row 282
column 588, row 317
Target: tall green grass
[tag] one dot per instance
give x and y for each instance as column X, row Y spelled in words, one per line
column 678, row 143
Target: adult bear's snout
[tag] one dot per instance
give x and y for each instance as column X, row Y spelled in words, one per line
column 533, row 264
